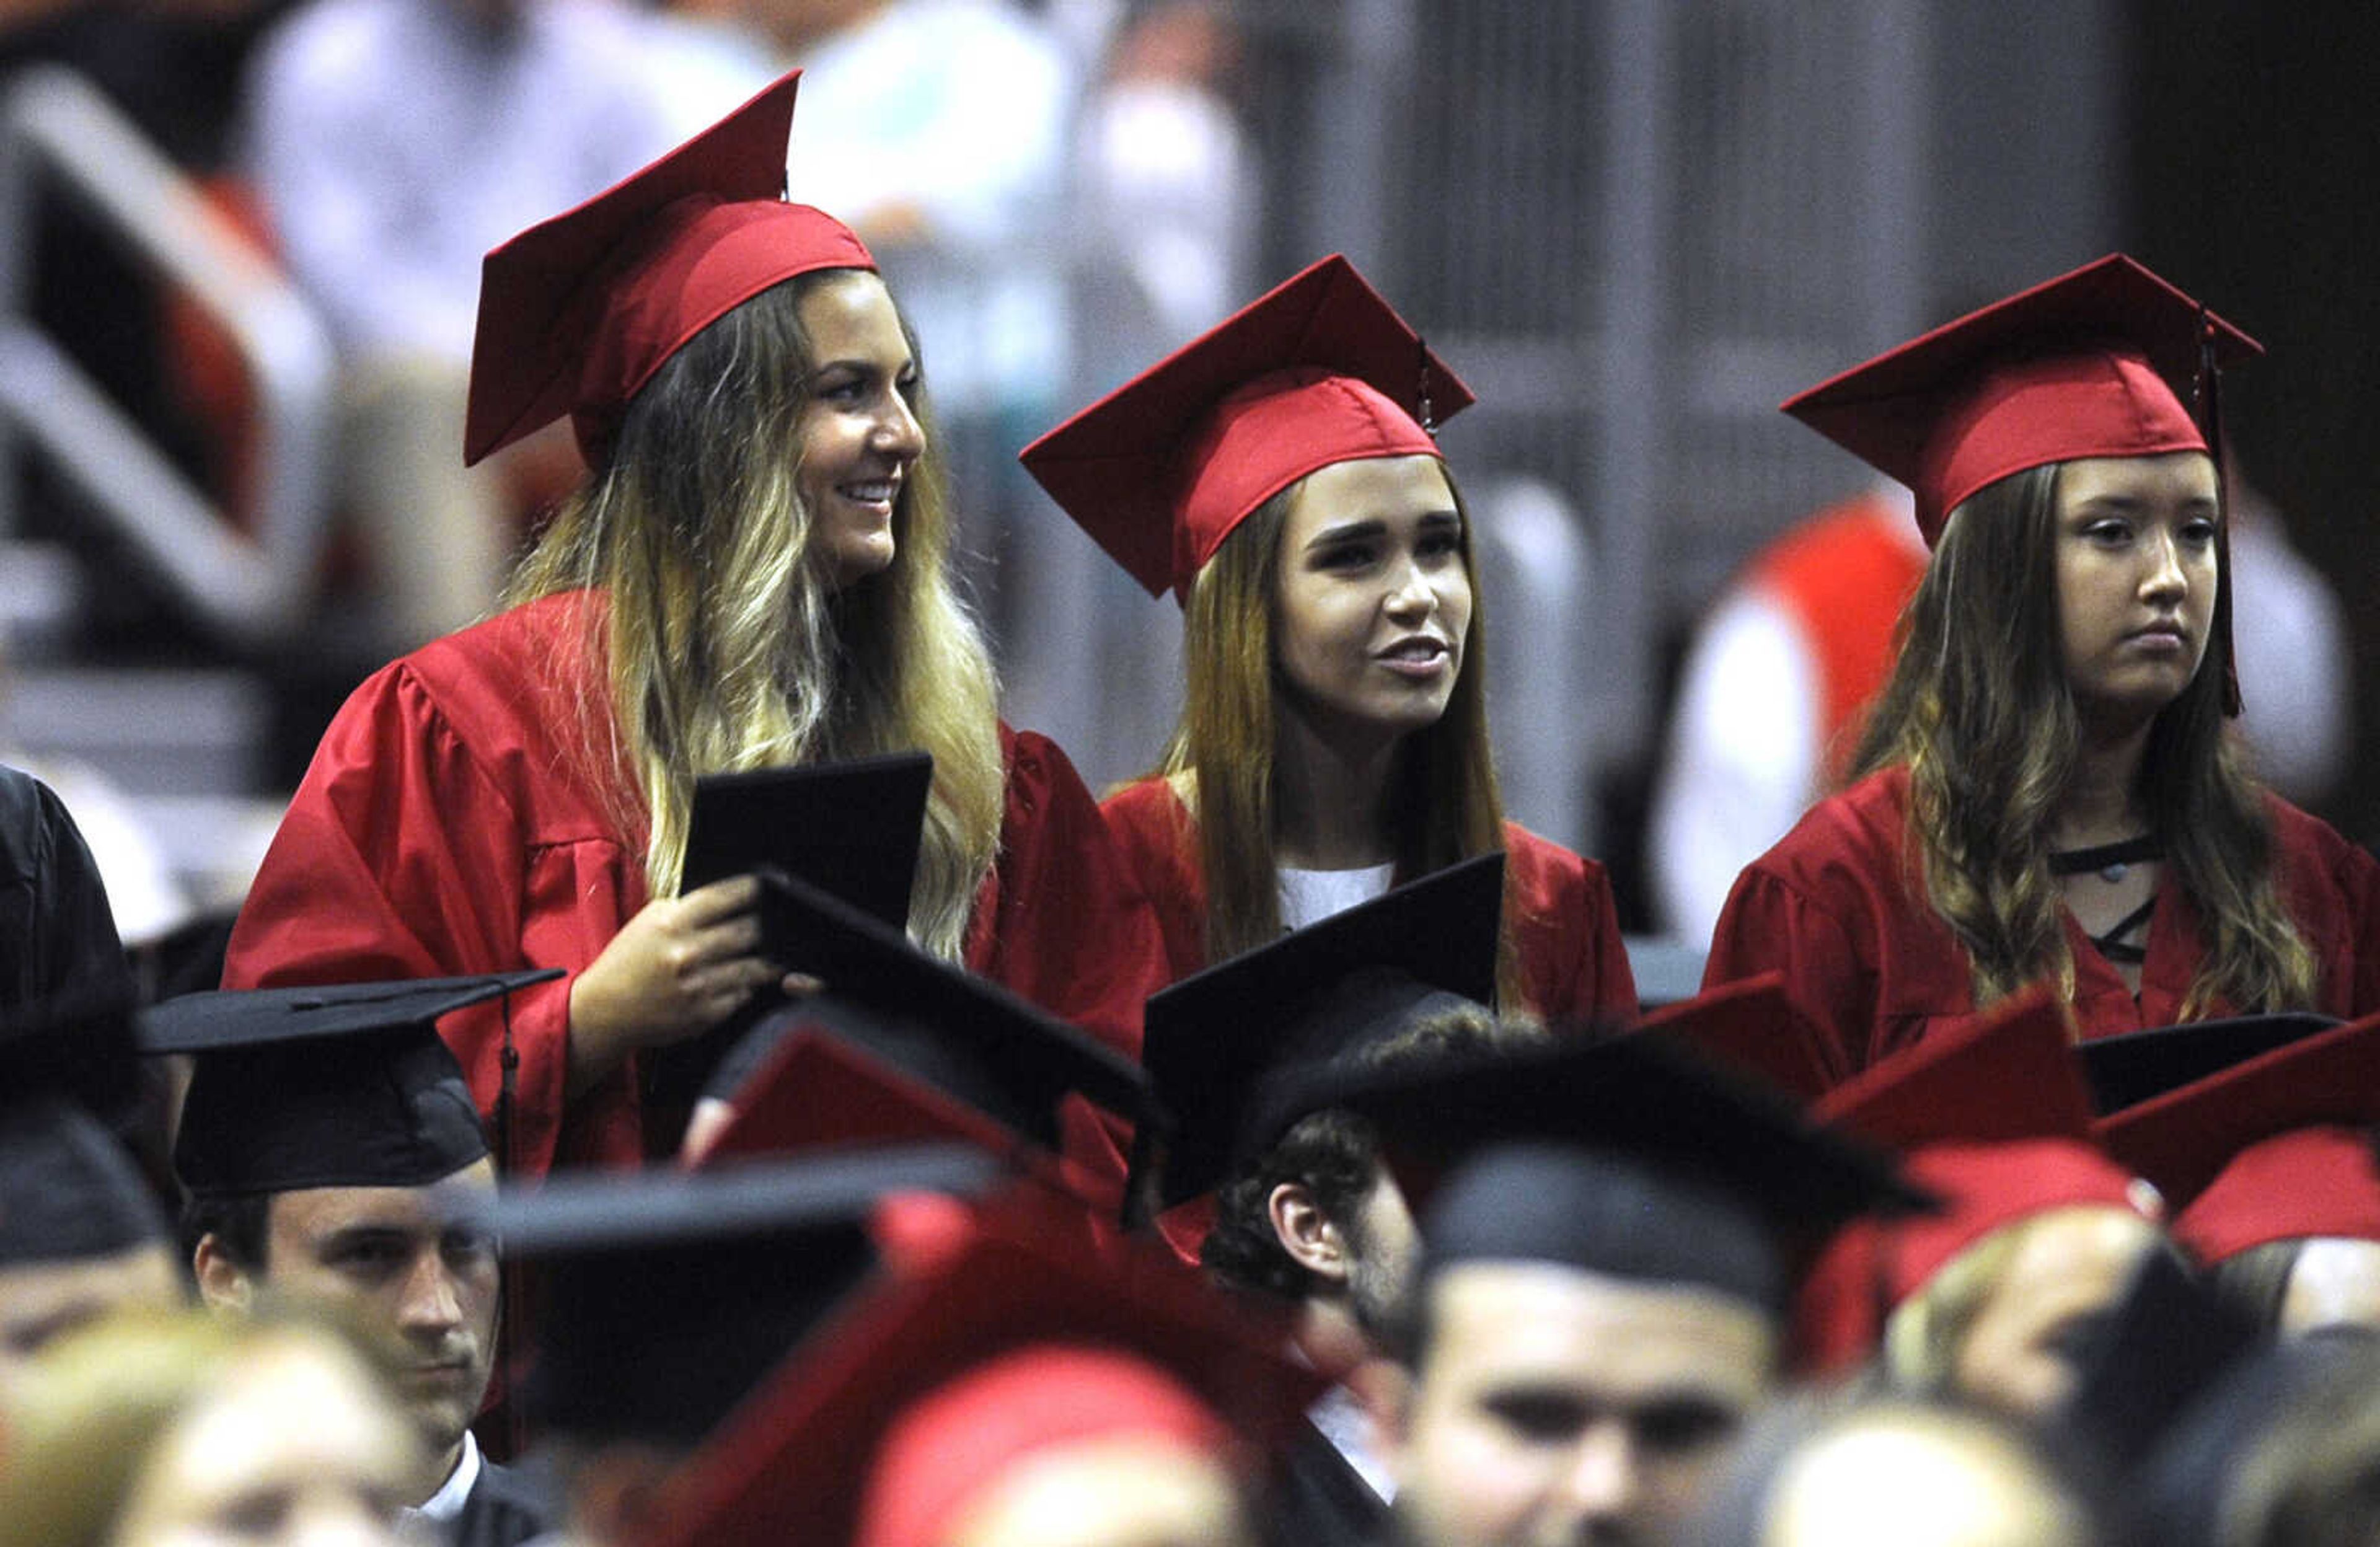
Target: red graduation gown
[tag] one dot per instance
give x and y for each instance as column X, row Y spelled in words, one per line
column 1836, row 906
column 444, row 828
column 1565, row 924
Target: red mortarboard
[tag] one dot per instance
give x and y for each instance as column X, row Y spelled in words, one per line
column 2080, row 366
column 2306, row 1182
column 793, row 1467
column 1754, row 1027
column 2269, row 1149
column 577, row 313
column 949, row 1449
column 2009, row 1074
column 1320, row 369
column 816, row 1090
column 1996, row 1119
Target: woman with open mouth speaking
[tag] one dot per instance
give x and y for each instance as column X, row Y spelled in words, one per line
column 1280, row 476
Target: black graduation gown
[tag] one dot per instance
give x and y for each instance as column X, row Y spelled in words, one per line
column 1317, row 1500
column 503, row 1509
column 55, row 930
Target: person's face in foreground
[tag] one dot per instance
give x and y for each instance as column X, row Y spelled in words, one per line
column 297, row 1446
column 1554, row 1408
column 41, row 1302
column 2019, row 1353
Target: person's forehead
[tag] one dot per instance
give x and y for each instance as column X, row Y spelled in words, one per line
column 321, row 1211
column 1371, row 487
column 2174, row 475
column 298, row 1408
column 1497, row 1322
column 39, row 1291
column 850, row 313
column 2077, row 1252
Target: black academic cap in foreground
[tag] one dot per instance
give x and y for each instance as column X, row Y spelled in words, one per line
column 1220, row 1044
column 668, row 1296
column 70, row 1190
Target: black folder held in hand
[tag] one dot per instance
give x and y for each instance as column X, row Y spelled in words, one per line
column 850, row 829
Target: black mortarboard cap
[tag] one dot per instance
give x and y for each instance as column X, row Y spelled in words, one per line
column 2132, row 1067
column 1238, row 1051
column 962, row 1034
column 668, row 1296
column 2171, row 1338
column 344, row 1085
column 1593, row 1111
column 69, row 1190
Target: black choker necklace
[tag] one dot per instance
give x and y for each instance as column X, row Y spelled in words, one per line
column 2111, row 860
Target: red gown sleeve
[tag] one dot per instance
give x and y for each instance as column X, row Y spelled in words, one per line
column 2332, row 890
column 1769, row 925
column 405, row 854
column 1063, row 920
column 1565, row 927
column 1159, row 844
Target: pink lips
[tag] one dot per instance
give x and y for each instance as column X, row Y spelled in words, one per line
column 1418, row 656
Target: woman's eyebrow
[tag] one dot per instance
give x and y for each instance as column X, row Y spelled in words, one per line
column 1362, row 526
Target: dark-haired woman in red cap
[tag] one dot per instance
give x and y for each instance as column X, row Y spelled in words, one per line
column 2048, row 789
column 1280, row 475
column 754, row 576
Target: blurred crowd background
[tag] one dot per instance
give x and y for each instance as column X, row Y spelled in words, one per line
column 239, row 261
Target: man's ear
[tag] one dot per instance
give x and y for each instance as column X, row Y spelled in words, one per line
column 1305, row 1232
column 224, row 1284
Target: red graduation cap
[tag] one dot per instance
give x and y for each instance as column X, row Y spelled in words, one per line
column 1018, row 1315
column 1754, row 1027
column 577, row 311
column 2270, row 1150
column 2010, row 1074
column 1996, row 1120
column 2080, row 366
column 1320, row 369
column 816, row 1090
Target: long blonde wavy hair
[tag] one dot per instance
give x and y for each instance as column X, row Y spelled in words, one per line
column 1445, row 805
column 728, row 648
column 1979, row 710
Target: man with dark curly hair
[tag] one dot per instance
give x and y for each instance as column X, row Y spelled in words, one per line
column 1247, row 1056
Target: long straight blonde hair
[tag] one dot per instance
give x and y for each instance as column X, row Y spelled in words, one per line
column 1444, row 806
column 726, row 646
column 1979, row 711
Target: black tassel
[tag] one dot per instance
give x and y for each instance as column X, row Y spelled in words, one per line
column 1428, row 414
